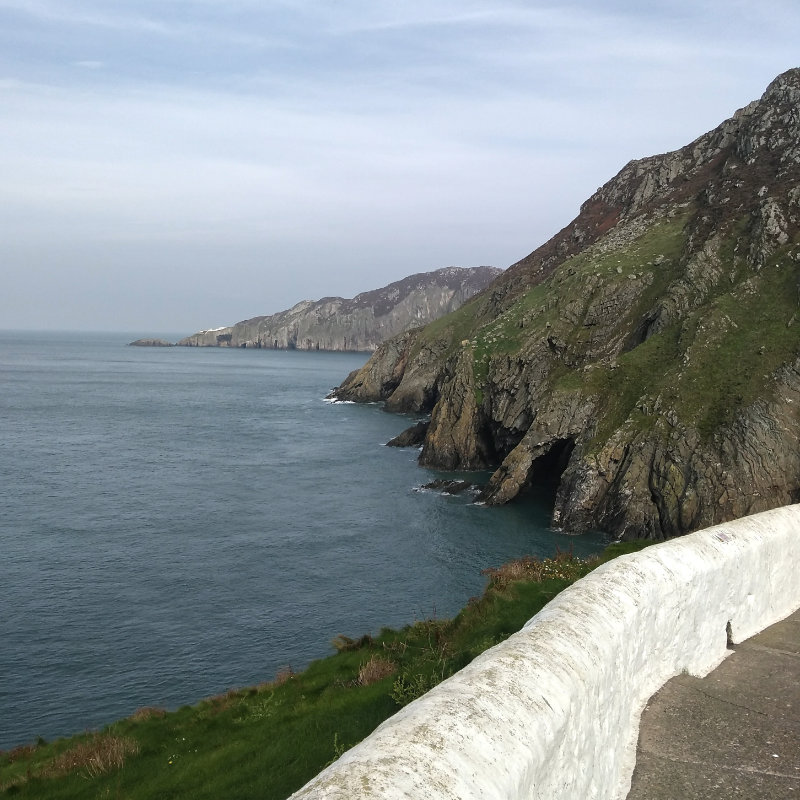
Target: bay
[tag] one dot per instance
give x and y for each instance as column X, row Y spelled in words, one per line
column 175, row 522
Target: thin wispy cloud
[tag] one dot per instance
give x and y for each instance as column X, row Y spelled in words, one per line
column 307, row 148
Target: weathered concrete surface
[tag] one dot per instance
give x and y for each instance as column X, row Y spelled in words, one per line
column 734, row 733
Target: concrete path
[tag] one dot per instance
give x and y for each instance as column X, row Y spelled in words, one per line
column 734, row 733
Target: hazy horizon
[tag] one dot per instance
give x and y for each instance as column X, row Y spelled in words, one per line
column 186, row 164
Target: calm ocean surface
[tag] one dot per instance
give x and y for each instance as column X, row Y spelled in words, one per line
column 175, row 522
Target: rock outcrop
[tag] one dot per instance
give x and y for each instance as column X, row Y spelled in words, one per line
column 645, row 360
column 361, row 323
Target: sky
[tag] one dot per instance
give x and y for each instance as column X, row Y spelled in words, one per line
column 173, row 165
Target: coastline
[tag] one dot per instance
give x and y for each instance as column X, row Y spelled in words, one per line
column 320, row 712
column 131, row 470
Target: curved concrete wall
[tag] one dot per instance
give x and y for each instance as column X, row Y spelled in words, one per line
column 553, row 711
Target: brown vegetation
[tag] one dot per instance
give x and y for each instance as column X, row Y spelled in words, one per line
column 344, row 644
column 374, row 670
column 565, row 565
column 99, row 753
column 283, row 675
column 148, row 712
column 22, row 751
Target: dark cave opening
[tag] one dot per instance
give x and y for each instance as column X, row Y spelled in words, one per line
column 545, row 473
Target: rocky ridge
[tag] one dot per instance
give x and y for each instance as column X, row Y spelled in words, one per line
column 360, row 323
column 645, row 359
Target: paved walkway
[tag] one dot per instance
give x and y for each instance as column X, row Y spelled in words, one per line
column 734, row 733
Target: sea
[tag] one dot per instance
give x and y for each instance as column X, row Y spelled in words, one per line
column 175, row 522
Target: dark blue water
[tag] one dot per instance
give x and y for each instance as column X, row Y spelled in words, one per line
column 174, row 522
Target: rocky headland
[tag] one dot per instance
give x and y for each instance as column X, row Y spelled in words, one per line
column 645, row 359
column 361, row 323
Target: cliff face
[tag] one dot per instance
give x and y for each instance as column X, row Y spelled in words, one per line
column 646, row 357
column 360, row 323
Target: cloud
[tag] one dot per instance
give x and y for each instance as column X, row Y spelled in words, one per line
column 178, row 20
column 353, row 142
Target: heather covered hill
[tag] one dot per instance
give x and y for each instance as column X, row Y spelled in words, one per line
column 645, row 359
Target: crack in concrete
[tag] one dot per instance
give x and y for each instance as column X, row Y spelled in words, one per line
column 765, row 649
column 711, row 696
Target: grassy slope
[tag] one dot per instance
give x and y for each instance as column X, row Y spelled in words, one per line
column 715, row 361
column 706, row 366
column 267, row 741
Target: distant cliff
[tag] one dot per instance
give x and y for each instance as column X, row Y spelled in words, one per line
column 360, row 323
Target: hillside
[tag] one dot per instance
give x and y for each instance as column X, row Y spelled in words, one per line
column 360, row 323
column 645, row 359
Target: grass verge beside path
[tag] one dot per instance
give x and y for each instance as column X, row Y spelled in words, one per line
column 267, row 741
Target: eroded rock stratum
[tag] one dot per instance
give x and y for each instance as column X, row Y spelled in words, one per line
column 646, row 356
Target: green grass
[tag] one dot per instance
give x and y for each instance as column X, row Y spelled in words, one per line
column 736, row 346
column 713, row 363
column 709, row 364
column 557, row 306
column 446, row 333
column 636, row 374
column 574, row 290
column 267, row 741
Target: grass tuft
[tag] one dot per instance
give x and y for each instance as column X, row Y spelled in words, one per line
column 344, row 644
column 86, row 757
column 283, row 675
column 148, row 712
column 564, row 566
column 98, row 754
column 374, row 670
column 23, row 751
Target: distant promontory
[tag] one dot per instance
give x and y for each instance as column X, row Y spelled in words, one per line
column 358, row 324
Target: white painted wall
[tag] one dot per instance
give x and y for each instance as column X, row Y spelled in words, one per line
column 553, row 712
